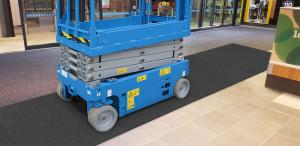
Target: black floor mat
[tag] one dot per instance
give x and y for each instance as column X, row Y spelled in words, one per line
column 49, row 121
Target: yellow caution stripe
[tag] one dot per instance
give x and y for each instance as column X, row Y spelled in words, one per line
column 67, row 35
column 83, row 40
column 79, row 39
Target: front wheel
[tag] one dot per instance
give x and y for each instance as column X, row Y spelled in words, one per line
column 103, row 119
column 182, row 88
column 59, row 91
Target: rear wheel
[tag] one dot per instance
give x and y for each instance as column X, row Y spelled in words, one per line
column 59, row 91
column 103, row 119
column 182, row 88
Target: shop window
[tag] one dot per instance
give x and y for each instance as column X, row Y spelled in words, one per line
column 111, row 9
column 258, row 11
column 165, row 8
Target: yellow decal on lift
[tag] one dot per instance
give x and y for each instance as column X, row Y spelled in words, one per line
column 83, row 40
column 141, row 78
column 122, row 70
column 67, row 35
column 165, row 71
column 130, row 98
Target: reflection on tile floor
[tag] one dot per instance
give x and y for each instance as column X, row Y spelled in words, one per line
column 288, row 100
column 243, row 114
column 13, row 44
column 16, row 44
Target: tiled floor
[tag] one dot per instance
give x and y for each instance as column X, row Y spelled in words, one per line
column 13, row 44
column 243, row 114
column 36, row 37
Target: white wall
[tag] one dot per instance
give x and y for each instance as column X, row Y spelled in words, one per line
column 1, row 19
column 15, row 12
column 0, row 31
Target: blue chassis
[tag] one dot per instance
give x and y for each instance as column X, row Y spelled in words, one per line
column 152, row 89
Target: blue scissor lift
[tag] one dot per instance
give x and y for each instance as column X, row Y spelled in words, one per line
column 120, row 65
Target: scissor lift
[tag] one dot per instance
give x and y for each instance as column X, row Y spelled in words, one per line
column 120, row 65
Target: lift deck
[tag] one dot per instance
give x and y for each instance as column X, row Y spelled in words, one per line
column 120, row 65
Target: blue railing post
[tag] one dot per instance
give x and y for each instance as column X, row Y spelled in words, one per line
column 177, row 12
column 149, row 10
column 142, row 6
column 93, row 35
column 188, row 12
column 68, row 22
column 58, row 21
column 77, row 17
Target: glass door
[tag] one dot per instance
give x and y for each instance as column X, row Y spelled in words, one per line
column 218, row 12
column 196, row 14
column 40, row 22
column 207, row 13
column 239, row 12
column 210, row 13
column 228, row 11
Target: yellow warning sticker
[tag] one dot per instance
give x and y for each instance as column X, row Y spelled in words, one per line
column 141, row 78
column 165, row 71
column 122, row 70
column 131, row 96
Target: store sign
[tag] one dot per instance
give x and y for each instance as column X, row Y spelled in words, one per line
column 296, row 34
column 284, row 66
column 287, row 38
column 288, row 4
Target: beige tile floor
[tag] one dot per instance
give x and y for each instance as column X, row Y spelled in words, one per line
column 243, row 114
column 37, row 36
column 12, row 44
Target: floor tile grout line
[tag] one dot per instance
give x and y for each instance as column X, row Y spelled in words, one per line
column 217, row 135
column 259, row 108
column 171, row 130
column 266, row 140
column 236, row 124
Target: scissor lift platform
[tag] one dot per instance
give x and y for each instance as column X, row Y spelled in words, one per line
column 121, row 65
column 102, row 67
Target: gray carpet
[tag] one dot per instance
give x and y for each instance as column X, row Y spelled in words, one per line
column 26, row 75
column 47, row 120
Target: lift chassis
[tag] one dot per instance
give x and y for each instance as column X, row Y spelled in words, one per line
column 130, row 93
column 121, row 65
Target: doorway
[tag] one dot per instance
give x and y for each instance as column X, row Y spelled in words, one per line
column 214, row 13
column 38, row 18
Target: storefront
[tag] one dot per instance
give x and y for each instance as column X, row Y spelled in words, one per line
column 213, row 13
column 37, row 17
column 262, row 12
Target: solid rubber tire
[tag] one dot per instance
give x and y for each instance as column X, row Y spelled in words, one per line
column 59, row 91
column 182, row 88
column 103, row 119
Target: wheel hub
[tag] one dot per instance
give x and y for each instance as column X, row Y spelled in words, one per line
column 105, row 118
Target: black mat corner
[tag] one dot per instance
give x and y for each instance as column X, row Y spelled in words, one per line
column 49, row 121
